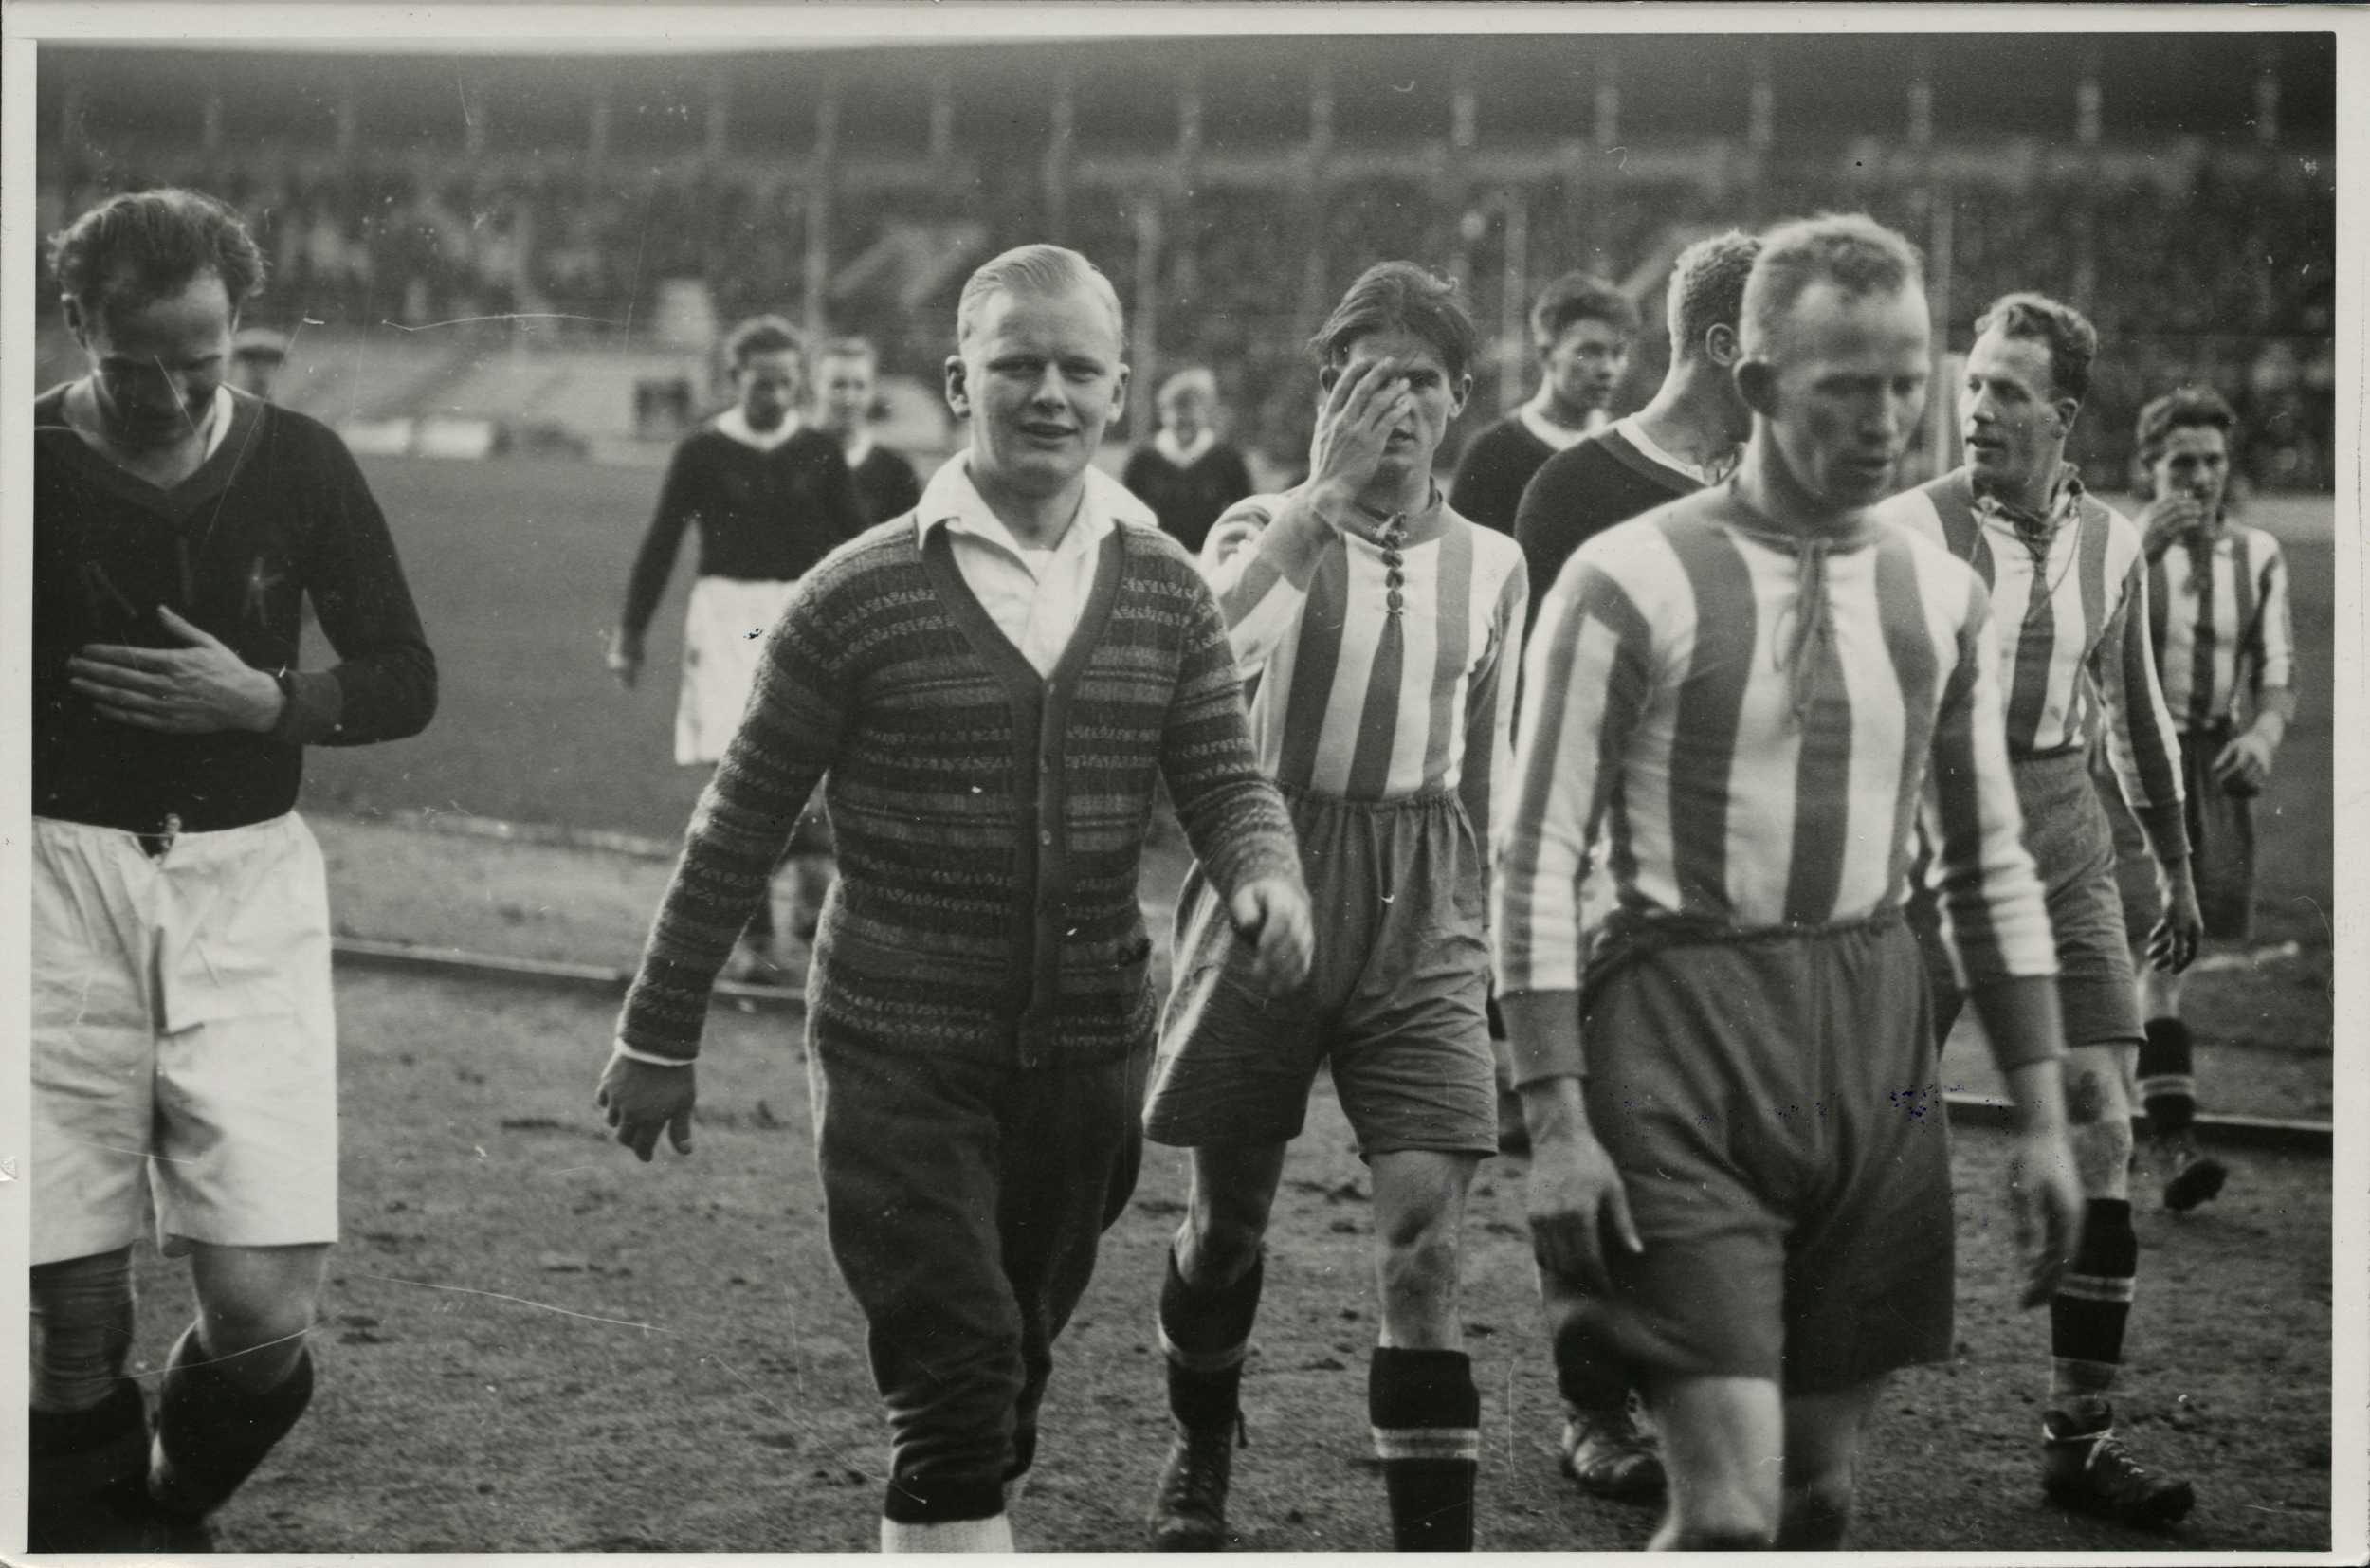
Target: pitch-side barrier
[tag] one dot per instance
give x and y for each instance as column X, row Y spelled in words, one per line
column 1968, row 1110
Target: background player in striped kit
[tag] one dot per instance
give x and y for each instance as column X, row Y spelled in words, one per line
column 1688, row 437
column 769, row 499
column 1379, row 626
column 2217, row 602
column 2070, row 599
column 1749, row 693
column 1583, row 328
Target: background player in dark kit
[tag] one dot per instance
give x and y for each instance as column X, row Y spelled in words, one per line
column 1362, row 580
column 1583, row 328
column 1188, row 473
column 979, row 1020
column 2068, row 586
column 769, row 499
column 184, row 1038
column 846, row 383
column 1686, row 437
column 256, row 355
column 2217, row 603
column 1747, row 691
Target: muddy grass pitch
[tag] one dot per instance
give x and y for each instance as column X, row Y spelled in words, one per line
column 531, row 1342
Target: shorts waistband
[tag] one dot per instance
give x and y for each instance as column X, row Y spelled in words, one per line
column 1627, row 936
column 157, row 846
column 1422, row 800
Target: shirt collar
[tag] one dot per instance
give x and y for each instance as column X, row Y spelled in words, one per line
column 950, row 499
column 2065, row 494
column 735, row 423
column 1184, row 457
column 1628, row 428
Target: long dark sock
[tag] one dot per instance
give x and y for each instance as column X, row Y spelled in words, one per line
column 212, row 1433
column 1812, row 1522
column 2088, row 1314
column 1591, row 1381
column 2168, row 1087
column 1204, row 1337
column 83, row 1470
column 1426, row 1416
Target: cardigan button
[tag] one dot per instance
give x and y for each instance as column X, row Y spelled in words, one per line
column 1045, row 836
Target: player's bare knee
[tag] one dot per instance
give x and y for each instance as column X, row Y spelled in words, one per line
column 1219, row 1242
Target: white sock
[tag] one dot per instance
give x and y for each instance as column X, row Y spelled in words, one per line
column 955, row 1535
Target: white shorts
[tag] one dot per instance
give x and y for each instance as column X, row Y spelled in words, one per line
column 723, row 639
column 184, row 1044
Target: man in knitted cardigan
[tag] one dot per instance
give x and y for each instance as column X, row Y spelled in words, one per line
column 987, row 689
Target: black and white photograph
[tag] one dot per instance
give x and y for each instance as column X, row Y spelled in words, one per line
column 892, row 777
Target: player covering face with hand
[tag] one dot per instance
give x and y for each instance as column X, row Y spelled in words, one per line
column 1754, row 694
column 1379, row 625
column 2217, row 602
column 986, row 689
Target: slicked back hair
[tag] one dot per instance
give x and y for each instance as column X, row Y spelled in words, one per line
column 2182, row 408
column 1043, row 271
column 1851, row 250
column 1708, row 289
column 762, row 335
column 1398, row 294
column 1580, row 297
column 143, row 245
column 2071, row 341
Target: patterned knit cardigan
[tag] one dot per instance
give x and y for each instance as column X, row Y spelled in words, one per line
column 989, row 821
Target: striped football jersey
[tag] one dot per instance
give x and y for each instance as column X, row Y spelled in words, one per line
column 1371, row 692
column 2222, row 628
column 2070, row 606
column 1668, row 707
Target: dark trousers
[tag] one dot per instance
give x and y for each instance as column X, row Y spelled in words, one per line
column 965, row 1201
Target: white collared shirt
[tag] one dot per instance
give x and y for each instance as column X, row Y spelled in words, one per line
column 1034, row 597
column 1635, row 433
column 734, row 422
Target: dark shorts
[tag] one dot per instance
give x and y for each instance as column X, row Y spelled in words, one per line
column 2221, row 845
column 1394, row 1002
column 1773, row 1107
column 2072, row 840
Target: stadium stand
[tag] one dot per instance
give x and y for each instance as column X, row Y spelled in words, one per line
column 2187, row 207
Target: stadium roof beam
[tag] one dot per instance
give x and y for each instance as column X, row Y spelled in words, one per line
column 1059, row 152
column 820, row 171
column 719, row 123
column 1608, row 104
column 2267, row 92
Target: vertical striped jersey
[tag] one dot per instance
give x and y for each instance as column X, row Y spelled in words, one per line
column 1750, row 771
column 1367, row 691
column 2070, row 605
column 2221, row 627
